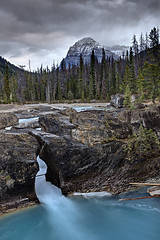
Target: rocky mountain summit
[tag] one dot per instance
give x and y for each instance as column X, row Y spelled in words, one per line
column 84, row 47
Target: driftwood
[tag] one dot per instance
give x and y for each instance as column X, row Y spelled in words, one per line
column 127, row 199
column 154, row 190
column 145, row 184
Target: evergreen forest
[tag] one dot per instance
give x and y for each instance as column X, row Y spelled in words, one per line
column 136, row 72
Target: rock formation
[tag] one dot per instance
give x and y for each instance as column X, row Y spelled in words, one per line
column 84, row 151
column 90, row 156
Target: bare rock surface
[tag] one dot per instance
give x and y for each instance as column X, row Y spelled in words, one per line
column 7, row 119
column 18, row 166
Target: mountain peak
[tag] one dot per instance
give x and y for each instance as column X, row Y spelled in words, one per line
column 84, row 47
column 87, row 41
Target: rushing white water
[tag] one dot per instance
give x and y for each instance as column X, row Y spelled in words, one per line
column 8, row 128
column 67, row 213
column 58, row 206
column 46, row 192
column 93, row 194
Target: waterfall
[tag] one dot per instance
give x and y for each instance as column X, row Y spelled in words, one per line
column 45, row 191
column 69, row 223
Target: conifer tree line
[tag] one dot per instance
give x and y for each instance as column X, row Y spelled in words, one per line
column 136, row 72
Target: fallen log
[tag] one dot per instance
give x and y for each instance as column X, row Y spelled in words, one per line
column 146, row 184
column 127, row 199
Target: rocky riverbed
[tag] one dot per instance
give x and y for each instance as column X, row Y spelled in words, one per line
column 84, row 150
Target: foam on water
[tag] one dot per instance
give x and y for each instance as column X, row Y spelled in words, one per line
column 8, row 128
column 93, row 194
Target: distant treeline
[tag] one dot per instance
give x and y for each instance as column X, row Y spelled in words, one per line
column 136, row 72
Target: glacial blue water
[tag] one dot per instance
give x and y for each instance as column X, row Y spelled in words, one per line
column 83, row 218
column 85, row 108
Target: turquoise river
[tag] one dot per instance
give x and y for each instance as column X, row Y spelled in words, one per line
column 87, row 217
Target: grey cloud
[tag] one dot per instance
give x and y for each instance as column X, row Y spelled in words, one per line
column 41, row 16
column 36, row 25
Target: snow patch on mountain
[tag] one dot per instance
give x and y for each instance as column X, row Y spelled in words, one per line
column 84, row 47
column 119, row 50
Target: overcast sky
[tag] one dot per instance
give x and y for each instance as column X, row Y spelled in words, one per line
column 43, row 30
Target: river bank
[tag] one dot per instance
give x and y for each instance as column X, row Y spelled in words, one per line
column 16, row 206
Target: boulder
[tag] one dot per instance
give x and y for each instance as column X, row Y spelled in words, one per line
column 117, row 100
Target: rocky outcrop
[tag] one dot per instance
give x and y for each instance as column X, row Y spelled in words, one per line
column 18, row 166
column 148, row 118
column 93, row 157
column 56, row 123
column 117, row 100
column 7, row 119
column 98, row 127
column 77, row 167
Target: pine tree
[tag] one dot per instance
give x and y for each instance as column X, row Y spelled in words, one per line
column 53, row 82
column 146, row 42
column 135, row 45
column 14, row 87
column 81, row 80
column 1, row 87
column 126, row 78
column 118, row 82
column 140, row 88
column 153, row 54
column 132, row 77
column 127, row 97
column 58, row 91
column 104, row 81
column 112, row 77
column 154, row 37
column 70, row 95
column 6, row 84
column 141, row 43
column 151, row 74
column 36, row 92
column 92, row 80
column 43, row 83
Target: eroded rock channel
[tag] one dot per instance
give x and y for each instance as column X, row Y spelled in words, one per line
column 84, row 151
